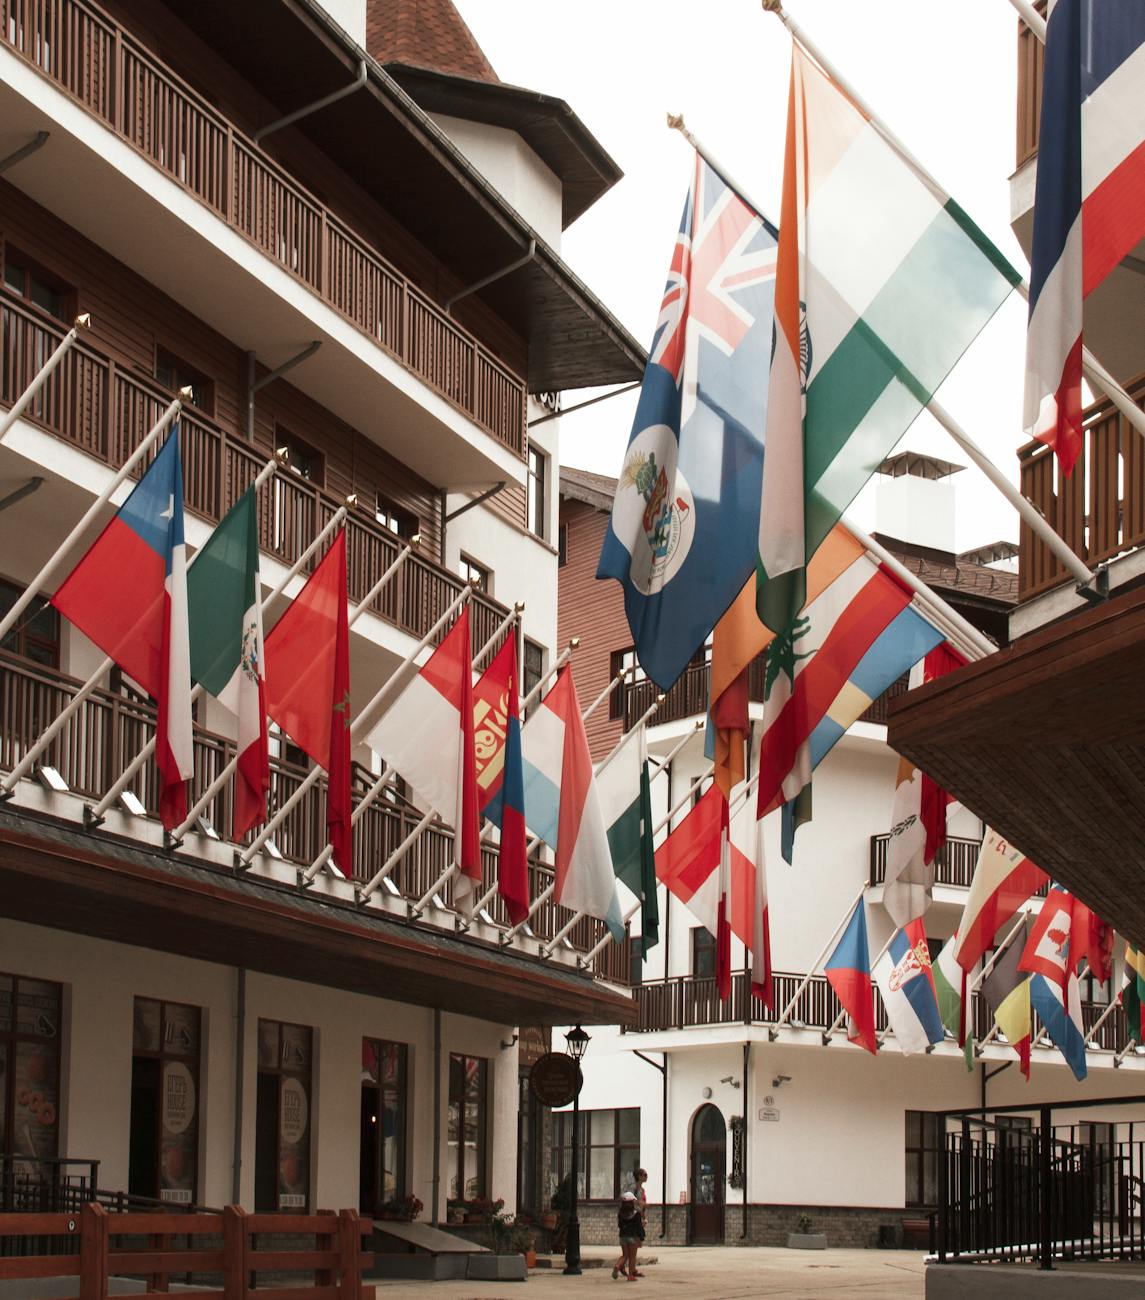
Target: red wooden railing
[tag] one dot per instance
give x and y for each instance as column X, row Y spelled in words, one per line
column 1031, row 61
column 1099, row 510
column 106, row 69
column 95, row 1246
column 103, row 736
column 96, row 405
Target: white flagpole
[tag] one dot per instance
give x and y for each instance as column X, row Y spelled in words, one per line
column 41, row 377
column 773, row 1032
column 1101, row 1019
column 1094, row 370
column 244, row 858
column 10, row 619
column 1025, row 508
column 95, row 816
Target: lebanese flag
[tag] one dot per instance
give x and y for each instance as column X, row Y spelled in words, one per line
column 308, row 686
column 129, row 596
column 1003, row 880
column 427, row 734
column 227, row 657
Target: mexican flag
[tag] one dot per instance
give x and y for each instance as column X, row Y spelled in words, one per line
column 951, row 987
column 882, row 282
column 625, row 797
column 227, row 659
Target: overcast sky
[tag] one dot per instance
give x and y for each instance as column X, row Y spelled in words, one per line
column 941, row 74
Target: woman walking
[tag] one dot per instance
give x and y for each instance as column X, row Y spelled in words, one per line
column 631, row 1229
column 639, row 1196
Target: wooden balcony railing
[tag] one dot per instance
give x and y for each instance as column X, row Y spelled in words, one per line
column 953, row 864
column 688, row 1002
column 109, row 729
column 1099, row 509
column 1031, row 61
column 105, row 410
column 105, row 69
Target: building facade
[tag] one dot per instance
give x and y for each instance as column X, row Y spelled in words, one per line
column 338, row 230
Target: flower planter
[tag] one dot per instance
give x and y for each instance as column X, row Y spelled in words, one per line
column 530, row 1259
column 549, row 1220
column 806, row 1241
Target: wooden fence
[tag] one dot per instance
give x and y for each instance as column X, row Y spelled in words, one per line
column 218, row 1250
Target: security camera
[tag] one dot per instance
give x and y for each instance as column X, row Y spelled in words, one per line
column 780, row 1080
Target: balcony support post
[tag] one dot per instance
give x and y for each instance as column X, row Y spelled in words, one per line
column 41, row 377
column 34, row 145
column 773, row 1032
column 313, row 107
column 94, row 817
column 525, row 258
column 255, row 385
column 358, row 726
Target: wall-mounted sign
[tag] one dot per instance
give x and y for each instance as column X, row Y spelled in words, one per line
column 769, row 1114
column 555, row 1079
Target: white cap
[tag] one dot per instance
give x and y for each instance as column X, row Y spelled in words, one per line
column 628, row 1196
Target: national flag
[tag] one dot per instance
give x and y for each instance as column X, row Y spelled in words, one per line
column 794, row 813
column 1003, row 879
column 308, row 686
column 1047, row 949
column 1133, row 992
column 747, row 838
column 129, row 595
column 1059, row 1010
column 1007, row 993
column 952, row 988
column 1089, row 198
column 1090, row 939
column 227, row 659
column 938, row 662
column 681, row 536
column 882, row 283
column 427, row 734
column 848, row 971
column 625, row 793
column 850, row 643
column 491, row 699
column 903, row 974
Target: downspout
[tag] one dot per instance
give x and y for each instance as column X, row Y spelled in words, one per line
column 436, row 1220
column 240, row 1044
column 743, row 1139
column 663, row 1138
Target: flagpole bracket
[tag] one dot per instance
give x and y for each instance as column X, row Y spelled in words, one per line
column 301, row 881
column 6, row 793
column 171, row 842
column 826, row 1039
column 92, row 821
column 772, row 1035
column 1096, row 590
column 239, row 865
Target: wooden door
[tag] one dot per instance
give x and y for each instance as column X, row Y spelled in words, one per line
column 709, row 1176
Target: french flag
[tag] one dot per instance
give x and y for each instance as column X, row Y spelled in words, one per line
column 1089, row 202
column 129, row 595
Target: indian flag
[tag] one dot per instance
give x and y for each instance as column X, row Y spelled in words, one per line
column 226, row 648
column 625, row 795
column 882, row 283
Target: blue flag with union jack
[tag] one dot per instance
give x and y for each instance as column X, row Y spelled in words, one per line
column 686, row 511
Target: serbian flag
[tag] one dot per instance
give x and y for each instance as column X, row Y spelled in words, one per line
column 308, row 686
column 906, row 982
column 499, row 775
column 129, row 595
column 427, row 734
column 848, row 971
column 1089, row 200
column 1003, row 880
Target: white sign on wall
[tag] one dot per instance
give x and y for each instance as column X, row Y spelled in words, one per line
column 769, row 1114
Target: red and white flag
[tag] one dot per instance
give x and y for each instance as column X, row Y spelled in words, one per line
column 1003, row 880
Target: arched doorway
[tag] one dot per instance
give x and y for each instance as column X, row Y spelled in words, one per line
column 709, row 1176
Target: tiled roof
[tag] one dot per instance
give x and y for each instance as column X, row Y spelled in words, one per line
column 596, row 490
column 425, row 34
column 961, row 576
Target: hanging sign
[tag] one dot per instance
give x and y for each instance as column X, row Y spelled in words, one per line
column 555, row 1079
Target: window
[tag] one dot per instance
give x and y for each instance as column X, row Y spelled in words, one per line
column 562, row 545
column 475, row 573
column 303, row 460
column 174, row 373
column 609, row 1151
column 537, row 503
column 703, row 954
column 624, row 659
column 29, row 1073
column 467, row 1127
column 37, row 286
column 163, row 1156
column 532, row 670
column 282, row 1117
column 393, row 517
column 923, row 1135
column 1093, row 990
column 384, row 1074
column 37, row 635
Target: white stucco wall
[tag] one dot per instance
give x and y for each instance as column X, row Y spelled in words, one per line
column 350, row 15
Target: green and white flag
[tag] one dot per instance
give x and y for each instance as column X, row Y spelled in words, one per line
column 951, row 987
column 223, row 599
column 882, row 282
column 625, row 795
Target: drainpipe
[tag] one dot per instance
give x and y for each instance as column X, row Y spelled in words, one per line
column 746, row 1060
column 525, row 258
column 436, row 1116
column 240, row 1042
column 663, row 1139
column 357, row 84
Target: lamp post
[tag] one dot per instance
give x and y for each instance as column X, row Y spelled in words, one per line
column 578, row 1042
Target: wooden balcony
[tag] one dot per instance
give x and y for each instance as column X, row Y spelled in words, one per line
column 106, row 70
column 1099, row 510
column 105, row 410
column 688, row 1002
column 1031, row 61
column 953, row 864
column 105, row 734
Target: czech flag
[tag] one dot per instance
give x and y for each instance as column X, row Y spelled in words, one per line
column 129, row 595
column 848, row 971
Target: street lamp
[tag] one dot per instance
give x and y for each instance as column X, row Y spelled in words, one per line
column 578, row 1042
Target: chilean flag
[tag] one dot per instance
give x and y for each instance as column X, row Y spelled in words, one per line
column 1089, row 202
column 848, row 971
column 129, row 595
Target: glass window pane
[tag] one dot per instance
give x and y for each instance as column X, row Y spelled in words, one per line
column 35, row 1119
column 913, row 1128
column 147, row 1029
column 630, row 1125
column 267, row 1044
column 296, row 1049
column 180, row 1029
column 602, row 1127
column 913, row 1170
column 14, row 276
column 602, row 1182
column 6, row 1003
column 37, row 1008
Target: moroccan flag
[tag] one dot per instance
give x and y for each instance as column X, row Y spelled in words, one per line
column 626, row 804
column 308, row 686
column 427, row 734
column 1133, row 992
column 882, row 282
column 951, row 986
column 1003, row 880
column 848, row 971
column 1007, row 993
column 129, row 595
column 227, row 657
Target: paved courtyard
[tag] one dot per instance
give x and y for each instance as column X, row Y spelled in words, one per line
column 708, row 1274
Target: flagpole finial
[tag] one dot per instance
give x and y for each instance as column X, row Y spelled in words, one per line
column 574, row 642
column 661, row 698
column 282, row 455
column 351, row 501
column 187, row 393
column 519, row 607
column 415, row 540
column 773, row 6
column 700, row 724
column 83, row 321
column 675, row 121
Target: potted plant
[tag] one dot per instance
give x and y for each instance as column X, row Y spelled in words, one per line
column 525, row 1241
column 455, row 1211
column 803, row 1238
